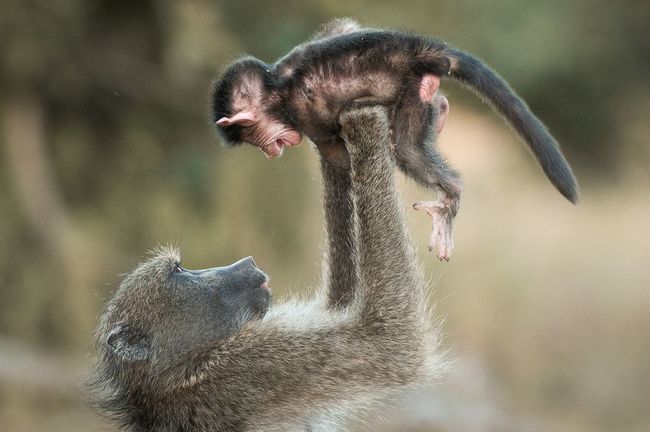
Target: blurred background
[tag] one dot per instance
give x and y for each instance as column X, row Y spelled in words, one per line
column 106, row 150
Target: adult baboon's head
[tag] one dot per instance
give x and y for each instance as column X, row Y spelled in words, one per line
column 163, row 311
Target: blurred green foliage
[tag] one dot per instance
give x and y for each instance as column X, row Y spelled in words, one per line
column 107, row 150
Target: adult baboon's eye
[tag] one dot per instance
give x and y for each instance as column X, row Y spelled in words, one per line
column 178, row 268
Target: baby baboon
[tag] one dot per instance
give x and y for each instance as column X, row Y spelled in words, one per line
column 183, row 350
column 344, row 66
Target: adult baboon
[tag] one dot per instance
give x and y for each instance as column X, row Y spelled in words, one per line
column 183, row 350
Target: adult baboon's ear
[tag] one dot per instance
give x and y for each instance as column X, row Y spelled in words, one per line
column 128, row 344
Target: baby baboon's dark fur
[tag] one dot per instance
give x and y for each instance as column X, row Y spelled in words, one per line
column 184, row 350
column 344, row 66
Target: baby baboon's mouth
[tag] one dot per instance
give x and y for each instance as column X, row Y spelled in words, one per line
column 273, row 149
column 291, row 138
column 287, row 139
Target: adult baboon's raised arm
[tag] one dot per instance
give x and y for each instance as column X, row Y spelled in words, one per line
column 341, row 264
column 204, row 351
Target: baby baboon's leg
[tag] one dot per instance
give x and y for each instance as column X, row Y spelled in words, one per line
column 415, row 127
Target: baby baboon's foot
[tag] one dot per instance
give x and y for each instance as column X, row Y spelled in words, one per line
column 442, row 220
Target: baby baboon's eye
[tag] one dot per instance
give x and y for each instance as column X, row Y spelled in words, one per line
column 178, row 268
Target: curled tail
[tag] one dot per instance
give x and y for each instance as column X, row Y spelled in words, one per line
column 480, row 78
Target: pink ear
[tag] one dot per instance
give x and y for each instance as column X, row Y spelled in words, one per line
column 428, row 87
column 244, row 118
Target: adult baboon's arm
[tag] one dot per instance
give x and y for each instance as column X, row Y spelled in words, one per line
column 295, row 363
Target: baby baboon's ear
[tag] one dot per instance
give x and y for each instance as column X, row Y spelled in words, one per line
column 128, row 344
column 244, row 118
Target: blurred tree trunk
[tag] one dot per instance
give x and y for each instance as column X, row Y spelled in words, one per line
column 24, row 139
column 41, row 202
